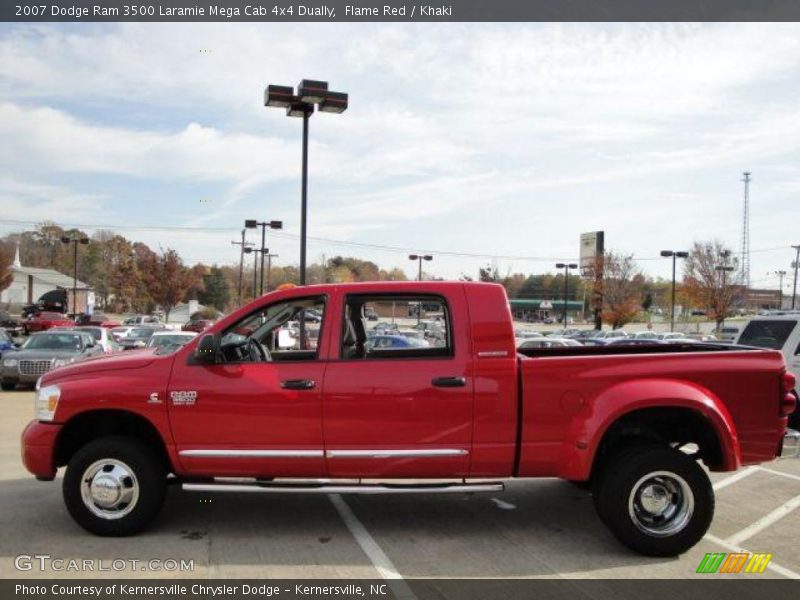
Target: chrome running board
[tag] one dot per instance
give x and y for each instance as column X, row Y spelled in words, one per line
column 334, row 488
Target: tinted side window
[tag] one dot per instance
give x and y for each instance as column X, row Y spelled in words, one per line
column 767, row 334
column 403, row 326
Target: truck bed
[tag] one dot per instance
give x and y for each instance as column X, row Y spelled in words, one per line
column 571, row 395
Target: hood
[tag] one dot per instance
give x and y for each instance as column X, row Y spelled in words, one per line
column 43, row 354
column 103, row 362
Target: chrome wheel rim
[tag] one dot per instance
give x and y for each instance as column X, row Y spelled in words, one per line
column 661, row 504
column 109, row 489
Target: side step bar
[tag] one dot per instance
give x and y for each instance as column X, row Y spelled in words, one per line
column 331, row 488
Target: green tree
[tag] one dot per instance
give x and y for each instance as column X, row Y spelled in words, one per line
column 216, row 291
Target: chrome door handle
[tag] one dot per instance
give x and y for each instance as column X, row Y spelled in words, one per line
column 298, row 384
column 449, row 381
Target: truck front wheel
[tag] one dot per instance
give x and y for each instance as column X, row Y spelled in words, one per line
column 657, row 500
column 114, row 486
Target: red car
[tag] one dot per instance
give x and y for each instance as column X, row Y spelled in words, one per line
column 45, row 320
column 248, row 400
column 197, row 325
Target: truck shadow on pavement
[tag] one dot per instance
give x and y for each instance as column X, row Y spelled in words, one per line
column 536, row 528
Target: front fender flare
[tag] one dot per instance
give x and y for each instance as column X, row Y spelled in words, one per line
column 586, row 430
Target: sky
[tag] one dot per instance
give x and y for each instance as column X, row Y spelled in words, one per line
column 474, row 142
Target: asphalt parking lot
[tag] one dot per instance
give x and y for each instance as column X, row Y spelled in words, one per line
column 537, row 528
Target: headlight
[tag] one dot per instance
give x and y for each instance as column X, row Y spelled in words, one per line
column 9, row 362
column 60, row 362
column 46, row 402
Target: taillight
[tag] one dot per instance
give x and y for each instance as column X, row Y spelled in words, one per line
column 789, row 401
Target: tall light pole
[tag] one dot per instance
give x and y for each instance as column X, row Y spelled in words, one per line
column 675, row 255
column 254, row 252
column 269, row 267
column 74, row 241
column 420, row 258
column 781, row 275
column 253, row 224
column 243, row 245
column 723, row 270
column 566, row 267
column 301, row 104
column 796, row 265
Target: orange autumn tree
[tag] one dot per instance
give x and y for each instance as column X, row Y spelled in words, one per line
column 707, row 281
column 623, row 289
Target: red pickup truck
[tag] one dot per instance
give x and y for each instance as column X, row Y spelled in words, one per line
column 45, row 320
column 251, row 406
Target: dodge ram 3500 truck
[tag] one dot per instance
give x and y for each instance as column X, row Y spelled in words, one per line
column 267, row 401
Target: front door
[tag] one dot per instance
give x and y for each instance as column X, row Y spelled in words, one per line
column 399, row 398
column 258, row 412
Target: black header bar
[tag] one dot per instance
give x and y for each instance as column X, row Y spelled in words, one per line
column 33, row 11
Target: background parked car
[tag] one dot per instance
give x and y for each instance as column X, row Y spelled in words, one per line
column 197, row 325
column 137, row 338
column 102, row 337
column 44, row 321
column 728, row 334
column 12, row 326
column 169, row 341
column 6, row 343
column 42, row 352
column 548, row 342
column 141, row 320
column 395, row 341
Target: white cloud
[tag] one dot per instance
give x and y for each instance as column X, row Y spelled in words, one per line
column 446, row 122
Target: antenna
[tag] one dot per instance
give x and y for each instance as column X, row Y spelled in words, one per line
column 745, row 255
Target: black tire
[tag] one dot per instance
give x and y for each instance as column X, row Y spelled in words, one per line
column 8, row 387
column 149, row 478
column 689, row 507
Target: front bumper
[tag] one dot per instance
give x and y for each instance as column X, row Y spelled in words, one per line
column 38, row 445
column 791, row 444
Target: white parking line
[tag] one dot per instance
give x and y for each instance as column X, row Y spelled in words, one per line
column 722, row 483
column 374, row 552
column 781, row 473
column 764, row 521
column 788, row 573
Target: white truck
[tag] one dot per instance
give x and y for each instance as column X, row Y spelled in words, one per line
column 778, row 332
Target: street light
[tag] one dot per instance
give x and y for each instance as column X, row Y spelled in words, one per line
column 420, row 258
column 566, row 267
column 244, row 244
column 781, row 275
column 74, row 241
column 301, row 104
column 723, row 270
column 254, row 252
column 675, row 255
column 252, row 224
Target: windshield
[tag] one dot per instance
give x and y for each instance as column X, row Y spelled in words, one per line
column 141, row 333
column 97, row 332
column 4, row 337
column 157, row 341
column 53, row 341
column 767, row 334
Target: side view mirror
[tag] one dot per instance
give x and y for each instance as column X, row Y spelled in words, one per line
column 207, row 350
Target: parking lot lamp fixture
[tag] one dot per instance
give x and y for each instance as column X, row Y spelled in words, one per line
column 254, row 252
column 310, row 93
column 74, row 241
column 252, row 224
column 566, row 267
column 420, row 258
column 675, row 255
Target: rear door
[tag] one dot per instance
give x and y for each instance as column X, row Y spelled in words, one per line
column 399, row 411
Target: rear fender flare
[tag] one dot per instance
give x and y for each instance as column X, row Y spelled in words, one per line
column 586, row 430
